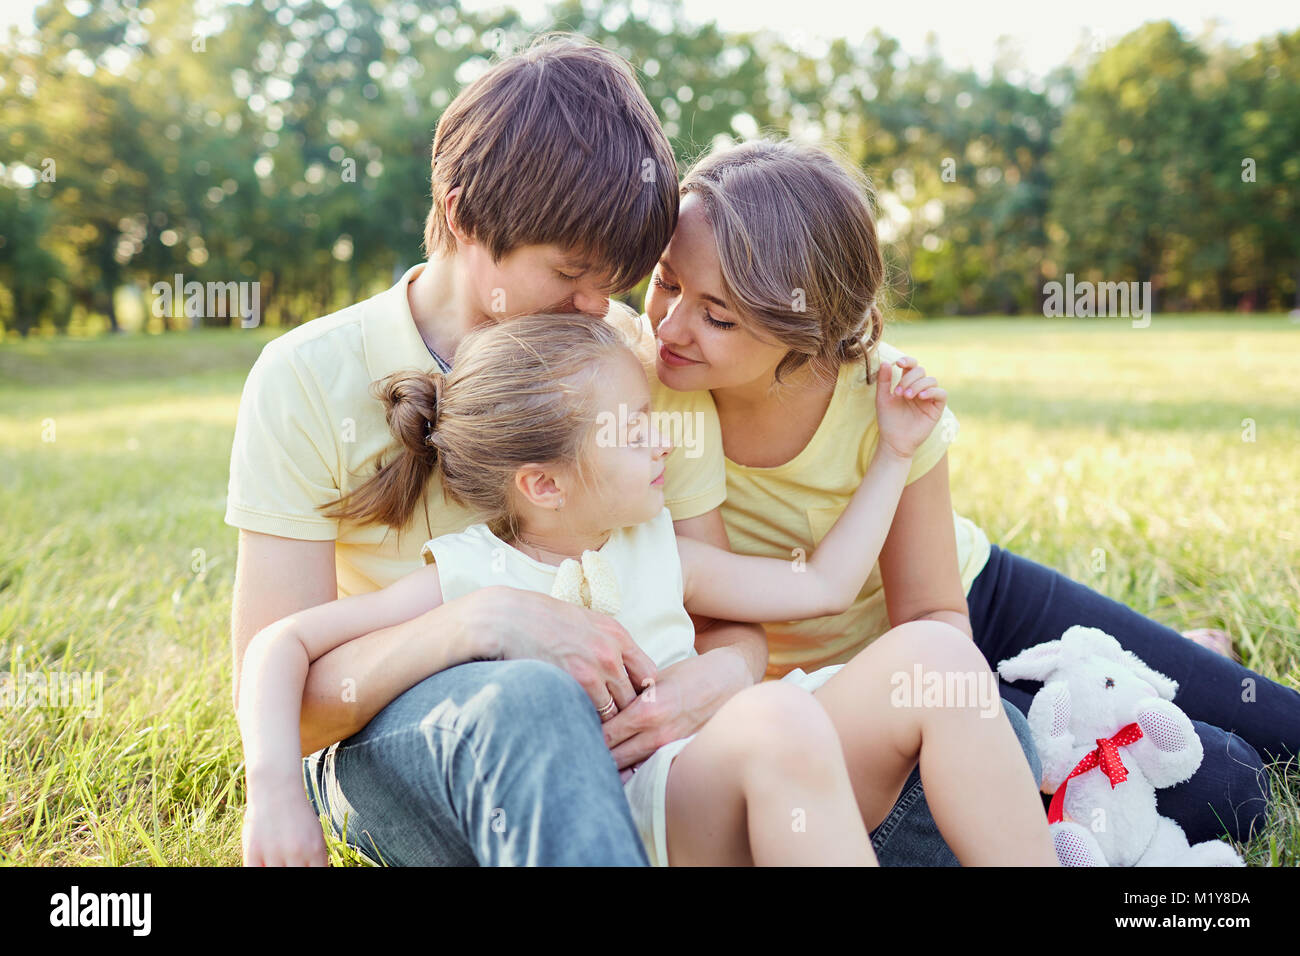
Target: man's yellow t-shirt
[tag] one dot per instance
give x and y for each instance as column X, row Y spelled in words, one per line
column 784, row 511
column 309, row 429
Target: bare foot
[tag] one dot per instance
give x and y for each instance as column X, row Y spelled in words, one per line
column 1213, row 639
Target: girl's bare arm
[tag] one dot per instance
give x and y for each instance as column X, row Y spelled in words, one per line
column 745, row 588
column 276, row 661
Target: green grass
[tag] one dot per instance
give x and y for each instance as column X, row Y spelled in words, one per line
column 1077, row 435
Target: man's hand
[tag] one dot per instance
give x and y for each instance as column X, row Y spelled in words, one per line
column 509, row 623
column 678, row 704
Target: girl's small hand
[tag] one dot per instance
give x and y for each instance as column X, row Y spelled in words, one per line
column 285, row 832
column 906, row 415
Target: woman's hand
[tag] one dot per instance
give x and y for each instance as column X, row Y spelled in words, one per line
column 678, row 704
column 907, row 414
column 282, row 829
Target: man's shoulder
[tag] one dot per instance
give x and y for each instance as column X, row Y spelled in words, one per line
column 325, row 341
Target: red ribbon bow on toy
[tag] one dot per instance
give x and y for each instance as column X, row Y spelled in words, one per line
column 1105, row 756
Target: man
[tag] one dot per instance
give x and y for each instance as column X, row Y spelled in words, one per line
column 553, row 187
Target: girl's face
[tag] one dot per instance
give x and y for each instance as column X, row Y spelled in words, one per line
column 625, row 463
column 702, row 341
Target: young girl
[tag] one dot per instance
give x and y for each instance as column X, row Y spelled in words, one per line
column 785, row 378
column 528, row 430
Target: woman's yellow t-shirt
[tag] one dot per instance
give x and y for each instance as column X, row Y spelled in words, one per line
column 784, row 511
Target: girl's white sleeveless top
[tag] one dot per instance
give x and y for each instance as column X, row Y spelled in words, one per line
column 645, row 564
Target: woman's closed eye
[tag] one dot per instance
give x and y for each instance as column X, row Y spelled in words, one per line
column 659, row 281
column 708, row 317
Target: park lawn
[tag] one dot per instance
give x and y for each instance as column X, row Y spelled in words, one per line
column 1157, row 465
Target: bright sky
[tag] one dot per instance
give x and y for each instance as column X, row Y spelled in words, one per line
column 1043, row 32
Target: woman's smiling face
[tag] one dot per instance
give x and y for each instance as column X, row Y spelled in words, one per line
column 702, row 341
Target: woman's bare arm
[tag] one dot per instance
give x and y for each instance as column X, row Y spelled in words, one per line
column 918, row 563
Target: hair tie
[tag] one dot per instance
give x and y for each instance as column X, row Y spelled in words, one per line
column 439, row 380
column 858, row 330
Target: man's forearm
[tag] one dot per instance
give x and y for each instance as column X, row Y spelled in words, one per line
column 749, row 641
column 347, row 687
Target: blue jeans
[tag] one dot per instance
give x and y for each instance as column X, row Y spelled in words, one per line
column 492, row 763
column 1016, row 603
column 502, row 763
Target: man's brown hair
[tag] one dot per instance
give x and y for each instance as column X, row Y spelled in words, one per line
column 557, row 144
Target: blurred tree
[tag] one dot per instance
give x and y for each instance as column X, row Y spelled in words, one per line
column 1257, row 173
column 286, row 142
column 27, row 269
column 1133, row 160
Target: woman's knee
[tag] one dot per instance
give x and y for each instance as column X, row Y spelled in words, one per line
column 1245, row 783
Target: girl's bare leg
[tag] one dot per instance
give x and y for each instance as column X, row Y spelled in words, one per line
column 764, row 783
column 977, row 784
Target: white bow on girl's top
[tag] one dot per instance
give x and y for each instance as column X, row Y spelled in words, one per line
column 590, row 584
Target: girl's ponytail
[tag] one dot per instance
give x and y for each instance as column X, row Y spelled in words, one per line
column 521, row 391
column 411, row 405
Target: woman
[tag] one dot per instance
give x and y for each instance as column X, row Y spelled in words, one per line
column 763, row 306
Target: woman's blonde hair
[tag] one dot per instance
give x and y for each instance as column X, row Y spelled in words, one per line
column 520, row 392
column 798, row 250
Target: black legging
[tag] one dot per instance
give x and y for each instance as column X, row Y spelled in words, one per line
column 1016, row 603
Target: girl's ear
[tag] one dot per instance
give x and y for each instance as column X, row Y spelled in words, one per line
column 537, row 485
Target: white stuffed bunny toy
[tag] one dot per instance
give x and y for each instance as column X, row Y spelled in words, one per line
column 1108, row 736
